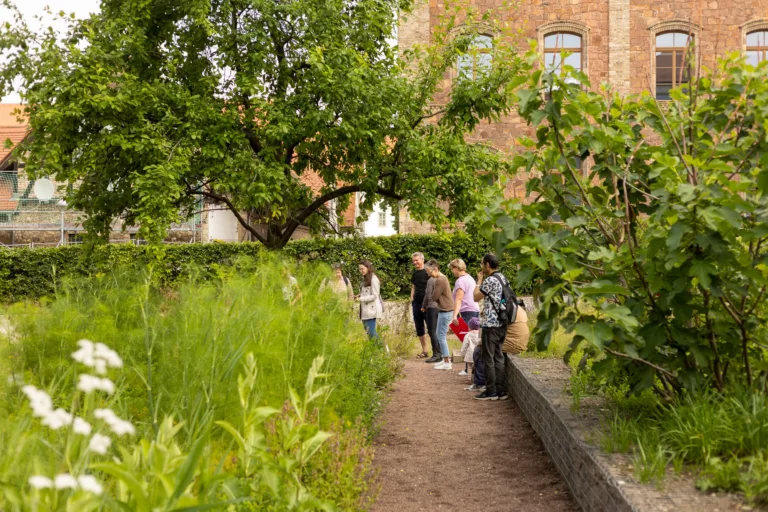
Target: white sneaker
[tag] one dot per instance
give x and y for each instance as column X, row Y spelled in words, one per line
column 463, row 373
column 444, row 366
column 475, row 388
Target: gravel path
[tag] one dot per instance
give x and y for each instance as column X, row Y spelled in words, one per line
column 439, row 449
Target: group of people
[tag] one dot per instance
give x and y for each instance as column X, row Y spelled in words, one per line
column 436, row 306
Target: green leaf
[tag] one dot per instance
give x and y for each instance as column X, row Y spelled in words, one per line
column 314, row 443
column 597, row 333
column 188, row 469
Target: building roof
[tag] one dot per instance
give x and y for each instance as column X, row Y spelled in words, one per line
column 11, row 128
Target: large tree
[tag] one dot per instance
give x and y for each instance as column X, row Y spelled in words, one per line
column 153, row 104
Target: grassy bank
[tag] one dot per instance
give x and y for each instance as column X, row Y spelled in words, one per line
column 268, row 405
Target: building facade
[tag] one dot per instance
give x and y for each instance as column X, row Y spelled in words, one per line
column 632, row 45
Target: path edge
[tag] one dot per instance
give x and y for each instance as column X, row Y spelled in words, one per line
column 590, row 482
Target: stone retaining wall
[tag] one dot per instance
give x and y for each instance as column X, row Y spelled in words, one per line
column 597, row 481
column 590, row 483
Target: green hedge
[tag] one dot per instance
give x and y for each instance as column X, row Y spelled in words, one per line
column 34, row 273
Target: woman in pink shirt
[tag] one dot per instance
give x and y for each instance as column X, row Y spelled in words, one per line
column 464, row 304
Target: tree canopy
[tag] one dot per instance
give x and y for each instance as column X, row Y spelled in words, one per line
column 151, row 105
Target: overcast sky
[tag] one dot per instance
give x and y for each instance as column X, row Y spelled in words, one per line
column 30, row 8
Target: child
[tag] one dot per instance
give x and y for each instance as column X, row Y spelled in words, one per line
column 471, row 340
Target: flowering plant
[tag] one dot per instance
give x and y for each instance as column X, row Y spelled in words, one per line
column 76, row 436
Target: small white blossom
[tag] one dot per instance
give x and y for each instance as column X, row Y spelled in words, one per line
column 104, row 414
column 90, row 484
column 122, row 427
column 99, row 444
column 103, row 352
column 57, row 419
column 82, row 427
column 89, row 383
column 97, row 356
column 39, row 400
column 65, row 481
column 40, row 482
column 118, row 426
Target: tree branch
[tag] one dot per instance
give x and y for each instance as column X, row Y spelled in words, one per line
column 295, row 222
column 216, row 197
column 647, row 363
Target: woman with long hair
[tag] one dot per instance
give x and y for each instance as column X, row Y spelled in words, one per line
column 371, row 307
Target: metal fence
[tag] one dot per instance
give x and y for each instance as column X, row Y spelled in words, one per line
column 28, row 221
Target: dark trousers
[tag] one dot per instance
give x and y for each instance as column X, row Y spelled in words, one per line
column 419, row 319
column 469, row 315
column 478, row 375
column 431, row 318
column 493, row 357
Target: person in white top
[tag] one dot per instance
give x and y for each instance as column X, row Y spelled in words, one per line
column 371, row 306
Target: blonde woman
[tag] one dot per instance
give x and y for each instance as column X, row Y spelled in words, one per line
column 464, row 304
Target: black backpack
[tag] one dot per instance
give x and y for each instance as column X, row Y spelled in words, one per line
column 507, row 310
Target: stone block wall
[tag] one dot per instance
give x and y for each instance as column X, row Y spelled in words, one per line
column 590, row 483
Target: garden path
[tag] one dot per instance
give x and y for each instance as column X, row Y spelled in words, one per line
column 438, row 449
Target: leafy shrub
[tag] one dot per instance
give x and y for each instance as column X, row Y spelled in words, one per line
column 35, row 273
column 662, row 238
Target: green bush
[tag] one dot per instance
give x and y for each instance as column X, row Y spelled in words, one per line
column 36, row 273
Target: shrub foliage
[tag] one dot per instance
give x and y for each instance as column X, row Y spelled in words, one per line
column 662, row 244
column 34, row 273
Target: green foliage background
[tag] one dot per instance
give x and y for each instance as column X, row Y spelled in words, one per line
column 35, row 273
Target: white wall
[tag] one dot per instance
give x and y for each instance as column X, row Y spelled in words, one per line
column 222, row 226
column 373, row 224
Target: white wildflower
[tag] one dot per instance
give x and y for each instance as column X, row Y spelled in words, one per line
column 57, row 419
column 39, row 400
column 65, row 481
column 97, row 356
column 82, row 427
column 89, row 383
column 104, row 414
column 122, row 427
column 103, row 352
column 90, row 484
column 99, row 444
column 118, row 426
column 100, row 366
column 40, row 482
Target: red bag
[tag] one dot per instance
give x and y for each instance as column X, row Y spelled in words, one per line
column 460, row 330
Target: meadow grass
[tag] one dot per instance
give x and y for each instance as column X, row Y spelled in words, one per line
column 183, row 351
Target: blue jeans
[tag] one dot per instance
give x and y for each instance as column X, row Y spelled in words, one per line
column 469, row 315
column 370, row 327
column 444, row 319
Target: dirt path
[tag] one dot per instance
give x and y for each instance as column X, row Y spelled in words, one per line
column 439, row 449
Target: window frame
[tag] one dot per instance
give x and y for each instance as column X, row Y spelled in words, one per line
column 665, row 27
column 558, row 51
column 674, row 50
column 474, row 52
column 751, row 27
column 567, row 27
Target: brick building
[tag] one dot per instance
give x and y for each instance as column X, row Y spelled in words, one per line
column 632, row 45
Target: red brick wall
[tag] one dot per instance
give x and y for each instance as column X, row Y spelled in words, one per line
column 614, row 31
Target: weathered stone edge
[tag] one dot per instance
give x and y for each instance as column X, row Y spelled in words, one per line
column 591, row 484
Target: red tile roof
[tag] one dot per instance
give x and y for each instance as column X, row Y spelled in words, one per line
column 10, row 128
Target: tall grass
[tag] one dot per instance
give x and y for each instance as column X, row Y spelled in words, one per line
column 183, row 348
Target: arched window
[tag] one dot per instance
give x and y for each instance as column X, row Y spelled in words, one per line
column 558, row 42
column 757, row 47
column 478, row 58
column 673, row 62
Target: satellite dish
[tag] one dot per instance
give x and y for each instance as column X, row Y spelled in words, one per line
column 44, row 189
